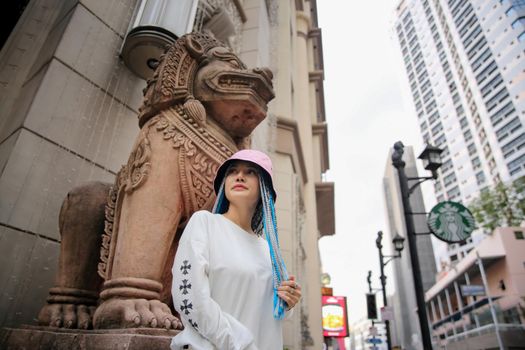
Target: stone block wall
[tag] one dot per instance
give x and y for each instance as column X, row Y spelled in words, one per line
column 68, row 116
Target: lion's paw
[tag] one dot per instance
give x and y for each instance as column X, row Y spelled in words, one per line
column 130, row 313
column 66, row 316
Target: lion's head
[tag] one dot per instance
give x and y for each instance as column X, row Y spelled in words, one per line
column 209, row 80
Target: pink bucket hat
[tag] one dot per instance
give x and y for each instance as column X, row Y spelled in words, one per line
column 248, row 155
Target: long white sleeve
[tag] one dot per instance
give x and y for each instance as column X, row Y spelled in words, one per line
column 191, row 291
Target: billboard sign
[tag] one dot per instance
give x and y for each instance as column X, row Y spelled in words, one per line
column 335, row 319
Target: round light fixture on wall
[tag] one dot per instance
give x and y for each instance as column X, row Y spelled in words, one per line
column 155, row 24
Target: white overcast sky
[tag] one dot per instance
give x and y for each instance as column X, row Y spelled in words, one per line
column 367, row 111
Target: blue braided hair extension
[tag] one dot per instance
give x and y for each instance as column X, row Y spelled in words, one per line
column 270, row 229
column 221, row 203
column 267, row 224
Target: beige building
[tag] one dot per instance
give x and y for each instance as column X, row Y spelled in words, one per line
column 480, row 303
column 68, row 114
column 405, row 330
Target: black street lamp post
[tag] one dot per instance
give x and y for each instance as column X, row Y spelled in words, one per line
column 431, row 161
column 398, row 246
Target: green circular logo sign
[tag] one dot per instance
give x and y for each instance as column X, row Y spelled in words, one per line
column 451, row 222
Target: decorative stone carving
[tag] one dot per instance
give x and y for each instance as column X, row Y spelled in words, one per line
column 199, row 108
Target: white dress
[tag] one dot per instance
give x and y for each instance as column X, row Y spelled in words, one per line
column 222, row 288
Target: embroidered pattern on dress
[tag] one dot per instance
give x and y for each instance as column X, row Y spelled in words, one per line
column 193, row 324
column 187, row 305
column 185, row 267
column 185, row 286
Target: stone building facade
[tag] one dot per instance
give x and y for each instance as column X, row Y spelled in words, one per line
column 68, row 114
column 406, row 323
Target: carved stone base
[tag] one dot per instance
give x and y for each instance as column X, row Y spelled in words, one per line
column 47, row 338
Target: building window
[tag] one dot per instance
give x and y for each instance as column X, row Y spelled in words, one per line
column 499, row 97
column 515, row 165
column 508, row 129
column 449, row 179
column 486, row 72
column 502, row 113
column 429, row 107
column 428, row 96
column 513, row 146
column 521, row 37
column 491, row 85
column 481, row 59
column 446, row 166
column 480, row 178
column 463, row 122
column 436, row 129
column 518, row 235
column 518, row 23
column 439, row 141
column 471, row 149
column 510, row 12
column 468, row 135
column 453, row 193
column 476, row 163
column 511, row 316
column 433, row 117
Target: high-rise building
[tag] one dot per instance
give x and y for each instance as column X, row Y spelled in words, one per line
column 465, row 66
column 466, row 71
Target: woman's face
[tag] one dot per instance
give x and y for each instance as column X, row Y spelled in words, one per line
column 450, row 217
column 241, row 184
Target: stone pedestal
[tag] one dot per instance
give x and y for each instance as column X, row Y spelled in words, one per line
column 47, row 338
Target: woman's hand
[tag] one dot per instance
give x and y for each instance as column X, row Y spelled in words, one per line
column 290, row 292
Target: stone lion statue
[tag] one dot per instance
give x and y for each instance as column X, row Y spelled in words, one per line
column 119, row 241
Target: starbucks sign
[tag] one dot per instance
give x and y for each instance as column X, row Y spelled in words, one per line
column 451, row 222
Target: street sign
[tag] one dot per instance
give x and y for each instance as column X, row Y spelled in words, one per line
column 387, row 313
column 451, row 222
column 374, row 340
column 472, row 290
column 372, row 330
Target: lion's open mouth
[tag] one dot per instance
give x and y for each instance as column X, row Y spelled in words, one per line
column 242, row 82
column 235, row 82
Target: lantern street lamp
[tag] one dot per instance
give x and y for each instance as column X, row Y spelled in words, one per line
column 398, row 242
column 431, row 157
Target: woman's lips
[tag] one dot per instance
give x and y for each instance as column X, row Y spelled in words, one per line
column 242, row 187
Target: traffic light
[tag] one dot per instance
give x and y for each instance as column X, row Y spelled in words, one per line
column 371, row 306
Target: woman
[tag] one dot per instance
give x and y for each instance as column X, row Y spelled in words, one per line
column 230, row 285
